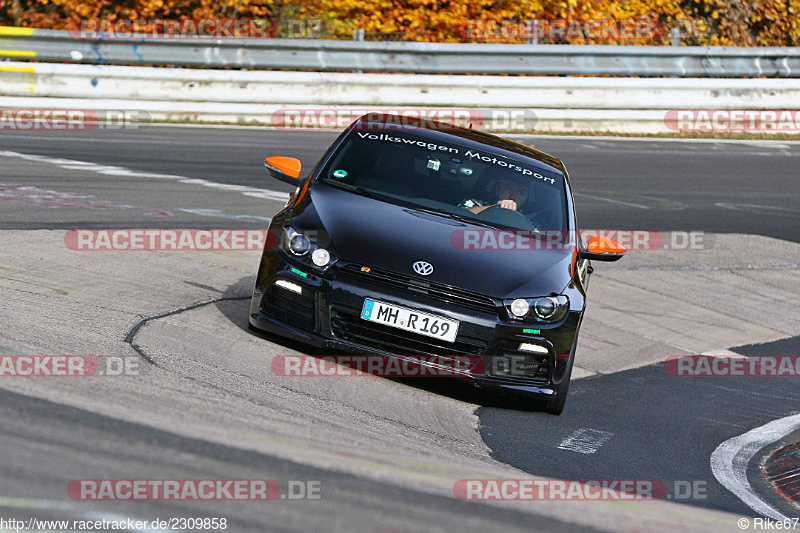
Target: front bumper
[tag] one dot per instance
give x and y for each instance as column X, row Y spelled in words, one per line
column 326, row 314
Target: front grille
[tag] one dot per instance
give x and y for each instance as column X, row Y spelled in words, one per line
column 520, row 365
column 348, row 325
column 438, row 291
column 289, row 307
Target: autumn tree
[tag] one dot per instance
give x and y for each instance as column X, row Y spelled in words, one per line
column 700, row 22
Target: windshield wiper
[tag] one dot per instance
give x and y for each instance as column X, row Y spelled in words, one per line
column 354, row 188
column 377, row 196
column 453, row 216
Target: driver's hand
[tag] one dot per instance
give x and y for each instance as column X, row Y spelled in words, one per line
column 508, row 204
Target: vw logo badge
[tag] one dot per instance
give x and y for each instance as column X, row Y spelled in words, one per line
column 423, row 268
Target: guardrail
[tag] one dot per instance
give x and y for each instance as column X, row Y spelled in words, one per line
column 405, row 57
column 589, row 104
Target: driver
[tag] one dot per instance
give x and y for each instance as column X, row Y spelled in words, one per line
column 510, row 195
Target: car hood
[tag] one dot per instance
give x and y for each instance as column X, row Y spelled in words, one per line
column 380, row 235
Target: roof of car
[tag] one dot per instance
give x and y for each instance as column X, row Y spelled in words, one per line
column 392, row 123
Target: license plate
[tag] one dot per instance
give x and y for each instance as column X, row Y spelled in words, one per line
column 410, row 320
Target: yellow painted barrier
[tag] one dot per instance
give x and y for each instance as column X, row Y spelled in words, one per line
column 17, row 53
column 13, row 31
column 29, row 70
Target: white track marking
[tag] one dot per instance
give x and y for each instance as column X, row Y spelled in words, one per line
column 722, row 353
column 585, row 440
column 612, row 201
column 761, row 209
column 121, row 171
column 611, row 138
column 729, row 461
column 221, row 214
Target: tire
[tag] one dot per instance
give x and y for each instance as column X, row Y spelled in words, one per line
column 554, row 406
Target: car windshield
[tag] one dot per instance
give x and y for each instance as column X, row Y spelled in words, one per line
column 449, row 179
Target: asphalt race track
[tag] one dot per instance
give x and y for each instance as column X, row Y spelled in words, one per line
column 713, row 187
column 205, row 404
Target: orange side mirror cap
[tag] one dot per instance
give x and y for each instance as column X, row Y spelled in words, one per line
column 283, row 168
column 602, row 248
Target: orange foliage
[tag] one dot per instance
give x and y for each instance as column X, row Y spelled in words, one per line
column 701, row 22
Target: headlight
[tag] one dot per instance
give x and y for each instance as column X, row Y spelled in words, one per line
column 299, row 244
column 303, row 250
column 520, row 307
column 321, row 257
column 546, row 309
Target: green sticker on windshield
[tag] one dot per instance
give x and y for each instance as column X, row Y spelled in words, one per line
column 339, row 173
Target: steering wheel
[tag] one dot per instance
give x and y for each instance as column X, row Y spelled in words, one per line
column 531, row 220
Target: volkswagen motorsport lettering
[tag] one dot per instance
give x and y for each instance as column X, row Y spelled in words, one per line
column 471, row 154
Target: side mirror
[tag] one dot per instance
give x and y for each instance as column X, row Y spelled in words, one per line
column 600, row 248
column 285, row 169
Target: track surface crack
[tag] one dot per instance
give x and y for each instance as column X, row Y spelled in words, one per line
column 129, row 338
